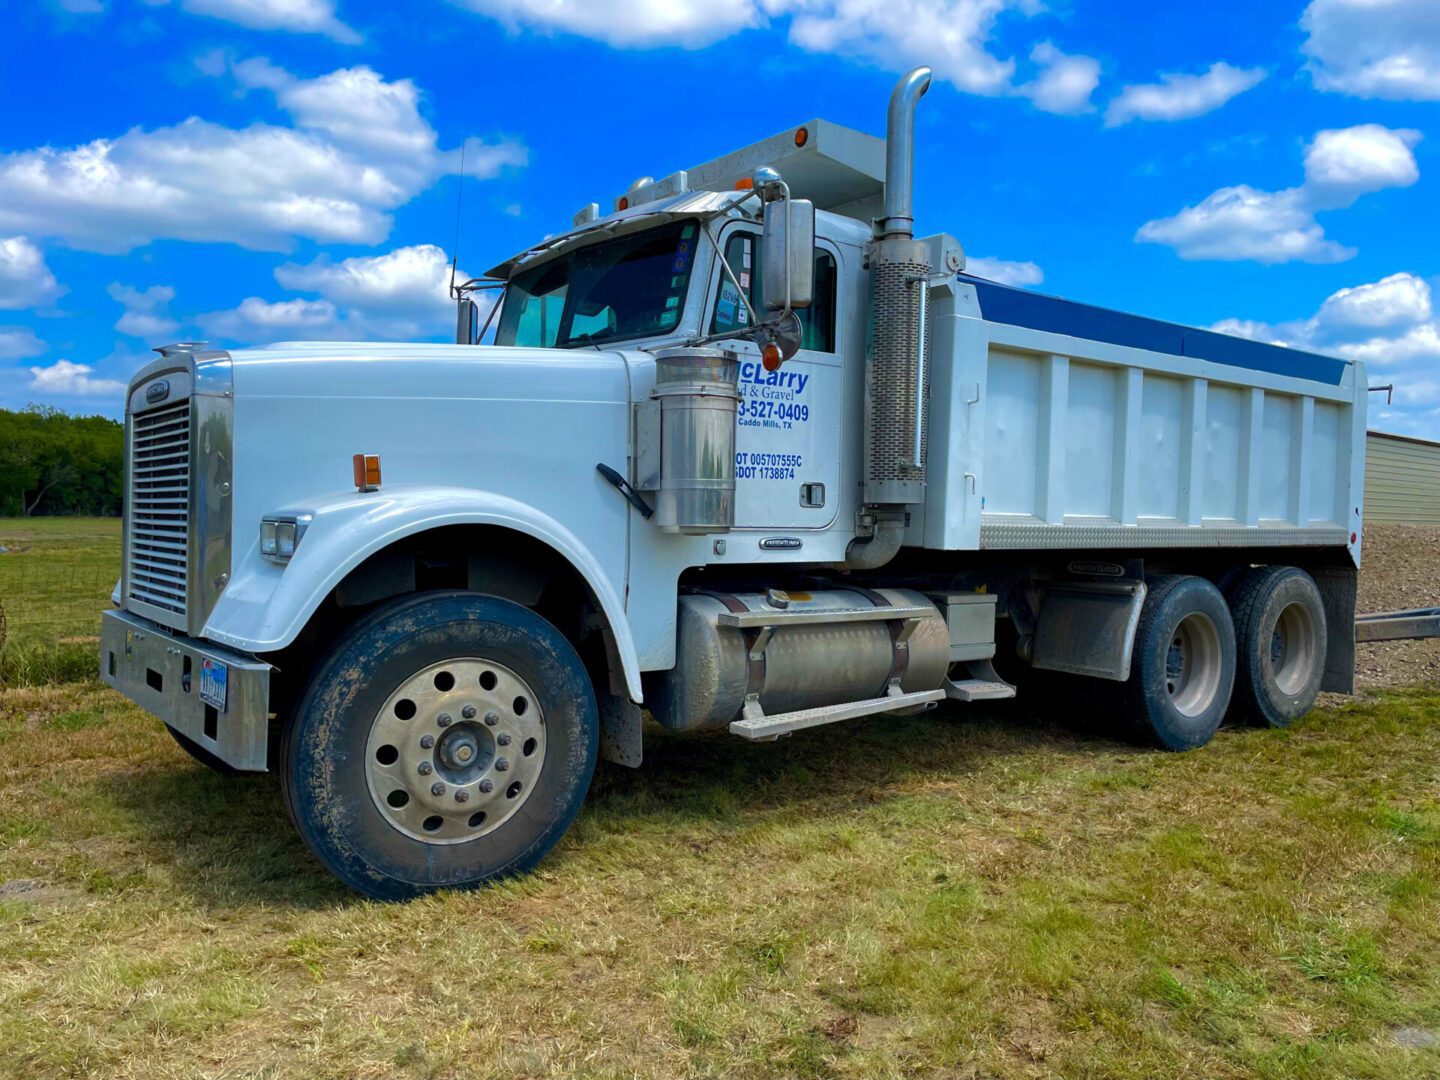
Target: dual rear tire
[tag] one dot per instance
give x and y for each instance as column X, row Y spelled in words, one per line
column 1255, row 654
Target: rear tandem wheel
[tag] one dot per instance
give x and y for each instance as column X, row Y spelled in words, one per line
column 1183, row 666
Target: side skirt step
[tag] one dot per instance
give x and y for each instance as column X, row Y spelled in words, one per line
column 763, row 728
column 984, row 684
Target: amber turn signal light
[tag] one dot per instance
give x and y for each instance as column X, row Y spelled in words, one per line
column 771, row 357
column 367, row 471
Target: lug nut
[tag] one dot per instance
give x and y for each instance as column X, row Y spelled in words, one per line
column 503, row 739
column 426, row 768
column 437, row 788
column 468, row 712
column 501, row 764
column 487, row 785
column 427, row 741
column 443, row 719
column 462, row 795
column 491, row 719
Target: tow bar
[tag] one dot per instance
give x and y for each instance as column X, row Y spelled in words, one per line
column 1398, row 625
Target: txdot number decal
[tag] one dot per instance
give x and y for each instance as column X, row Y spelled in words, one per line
column 750, row 466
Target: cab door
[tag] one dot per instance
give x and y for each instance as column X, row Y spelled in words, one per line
column 787, row 440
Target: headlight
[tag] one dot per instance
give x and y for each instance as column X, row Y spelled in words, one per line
column 280, row 535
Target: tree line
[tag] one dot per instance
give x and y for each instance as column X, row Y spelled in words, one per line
column 53, row 463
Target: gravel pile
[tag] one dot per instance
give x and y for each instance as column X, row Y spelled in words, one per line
column 1400, row 569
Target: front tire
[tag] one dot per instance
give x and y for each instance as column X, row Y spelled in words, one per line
column 1280, row 637
column 447, row 740
column 1182, row 669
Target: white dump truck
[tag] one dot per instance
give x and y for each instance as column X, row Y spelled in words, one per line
column 745, row 454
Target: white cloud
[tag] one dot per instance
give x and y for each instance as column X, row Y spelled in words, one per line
column 1004, row 271
column 1390, row 326
column 256, row 321
column 627, row 23
column 401, row 295
column 1375, row 48
column 1065, row 82
column 360, row 149
column 953, row 36
column 19, row 343
column 296, row 16
column 409, row 283
column 145, row 315
column 1180, row 97
column 67, row 379
column 1419, row 343
column 1396, row 301
column 1341, row 165
column 1242, row 222
column 25, row 280
column 1252, row 329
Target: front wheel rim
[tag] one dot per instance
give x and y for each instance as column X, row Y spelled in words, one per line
column 455, row 751
column 1294, row 649
column 1193, row 664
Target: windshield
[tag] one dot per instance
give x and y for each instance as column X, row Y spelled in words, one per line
column 630, row 287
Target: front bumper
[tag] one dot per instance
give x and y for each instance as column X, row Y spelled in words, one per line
column 160, row 672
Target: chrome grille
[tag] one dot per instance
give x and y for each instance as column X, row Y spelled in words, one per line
column 159, row 512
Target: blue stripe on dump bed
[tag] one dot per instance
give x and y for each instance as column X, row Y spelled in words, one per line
column 1016, row 307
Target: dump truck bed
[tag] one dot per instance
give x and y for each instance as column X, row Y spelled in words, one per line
column 1059, row 425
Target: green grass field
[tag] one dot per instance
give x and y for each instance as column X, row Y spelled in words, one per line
column 988, row 892
column 56, row 576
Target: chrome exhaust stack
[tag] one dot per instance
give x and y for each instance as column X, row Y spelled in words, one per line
column 899, row 219
column 897, row 361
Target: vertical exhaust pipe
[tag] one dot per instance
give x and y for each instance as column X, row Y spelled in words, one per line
column 897, row 379
column 899, row 219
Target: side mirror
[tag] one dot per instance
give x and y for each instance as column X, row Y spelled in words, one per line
column 467, row 321
column 788, row 268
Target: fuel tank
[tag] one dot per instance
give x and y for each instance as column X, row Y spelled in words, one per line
column 801, row 667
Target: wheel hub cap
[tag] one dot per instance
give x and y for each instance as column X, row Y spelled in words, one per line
column 446, row 782
column 1193, row 664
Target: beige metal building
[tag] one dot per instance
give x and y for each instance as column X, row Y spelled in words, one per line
column 1402, row 480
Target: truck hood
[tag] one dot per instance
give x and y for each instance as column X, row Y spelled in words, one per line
column 352, row 370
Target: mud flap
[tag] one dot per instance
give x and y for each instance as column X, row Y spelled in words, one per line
column 1338, row 585
column 622, row 734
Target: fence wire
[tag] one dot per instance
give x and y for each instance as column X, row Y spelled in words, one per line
column 50, row 616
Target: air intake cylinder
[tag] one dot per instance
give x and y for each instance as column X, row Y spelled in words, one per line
column 698, row 393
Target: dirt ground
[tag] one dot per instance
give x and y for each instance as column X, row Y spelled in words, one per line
column 1400, row 569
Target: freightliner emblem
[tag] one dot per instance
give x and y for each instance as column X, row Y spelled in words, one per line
column 157, row 391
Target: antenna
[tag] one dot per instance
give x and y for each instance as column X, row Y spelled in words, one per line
column 459, row 203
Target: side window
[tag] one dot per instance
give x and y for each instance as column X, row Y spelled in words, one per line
column 539, row 320
column 742, row 252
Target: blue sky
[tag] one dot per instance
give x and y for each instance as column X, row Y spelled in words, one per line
column 246, row 171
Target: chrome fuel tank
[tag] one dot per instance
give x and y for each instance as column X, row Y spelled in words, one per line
column 802, row 666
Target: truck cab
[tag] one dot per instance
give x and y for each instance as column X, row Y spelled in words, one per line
column 742, row 453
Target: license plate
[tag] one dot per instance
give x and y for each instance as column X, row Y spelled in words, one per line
column 214, row 683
